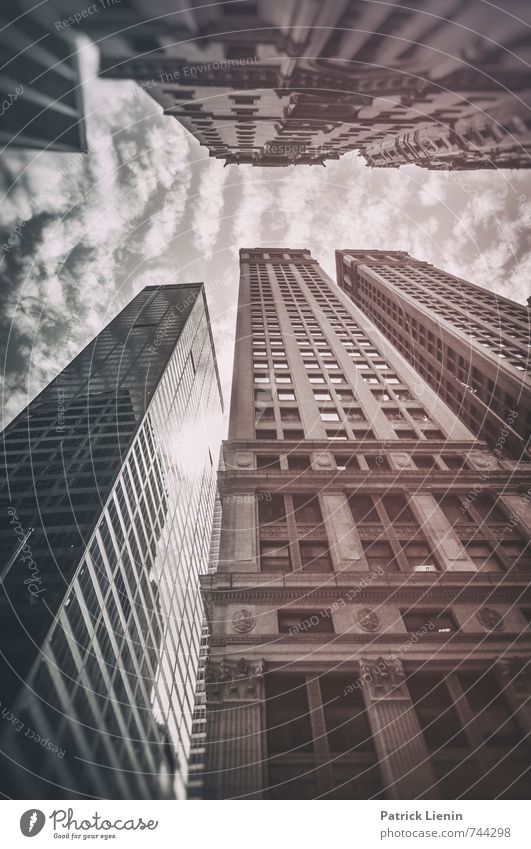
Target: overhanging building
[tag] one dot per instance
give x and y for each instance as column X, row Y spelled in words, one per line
column 370, row 612
column 108, row 494
column 280, row 82
column 470, row 344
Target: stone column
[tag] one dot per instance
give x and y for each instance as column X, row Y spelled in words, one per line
column 345, row 545
column 440, row 535
column 236, row 751
column 402, row 753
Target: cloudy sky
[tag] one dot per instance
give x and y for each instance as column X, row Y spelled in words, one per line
column 147, row 205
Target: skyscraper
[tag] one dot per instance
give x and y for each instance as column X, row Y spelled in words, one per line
column 41, row 102
column 370, row 612
column 470, row 344
column 109, row 487
column 280, row 82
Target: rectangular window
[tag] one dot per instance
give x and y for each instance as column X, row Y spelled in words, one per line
column 347, row 727
column 289, row 728
column 268, row 461
column 315, row 557
column 482, row 555
column 379, row 555
column 298, row 462
column 434, row 621
column 305, row 622
column 275, row 557
column 307, row 509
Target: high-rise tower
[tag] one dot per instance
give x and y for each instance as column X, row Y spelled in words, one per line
column 281, row 82
column 109, row 486
column 471, row 345
column 370, row 612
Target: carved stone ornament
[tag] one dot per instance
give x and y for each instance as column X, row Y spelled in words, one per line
column 384, row 678
column 402, row 459
column 234, row 680
column 244, row 459
column 367, row 619
column 243, row 621
column 490, row 619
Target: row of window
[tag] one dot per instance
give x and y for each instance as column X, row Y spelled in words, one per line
column 427, row 620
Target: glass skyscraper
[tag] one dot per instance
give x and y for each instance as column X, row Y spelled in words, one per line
column 108, row 497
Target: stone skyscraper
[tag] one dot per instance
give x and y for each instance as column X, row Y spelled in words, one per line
column 471, row 345
column 370, row 613
column 279, row 82
column 108, row 494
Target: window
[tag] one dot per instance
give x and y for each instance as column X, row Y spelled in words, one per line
column 483, row 557
column 305, row 621
column 433, row 621
column 299, row 462
column 307, row 509
column 435, row 711
column 518, row 552
column 336, row 435
column 266, row 433
column 322, row 394
column 455, row 461
column 264, row 414
column 289, row 727
column 424, row 461
column 396, row 507
column 274, row 557
column 345, row 461
column 315, row 557
column 419, row 556
column 329, row 416
column 453, row 509
column 346, row 721
column 297, row 435
column 345, row 396
column 268, row 461
column 289, row 414
column 379, row 555
column 362, row 508
column 376, row 462
column 284, row 395
column 492, row 714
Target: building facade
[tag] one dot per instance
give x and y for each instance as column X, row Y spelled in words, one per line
column 280, row 82
column 108, row 490
column 370, row 612
column 470, row 344
column 40, row 86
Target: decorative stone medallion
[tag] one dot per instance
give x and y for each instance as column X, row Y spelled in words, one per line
column 243, row 621
column 402, row 459
column 490, row 619
column 244, row 460
column 367, row 619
